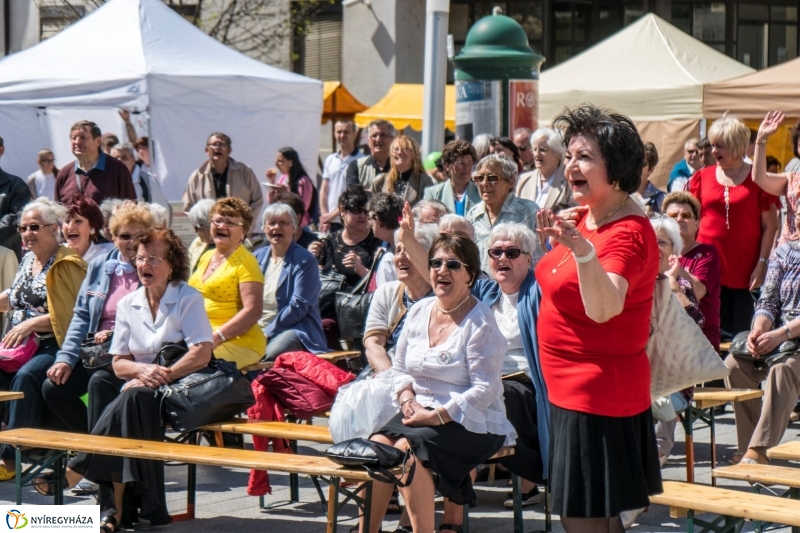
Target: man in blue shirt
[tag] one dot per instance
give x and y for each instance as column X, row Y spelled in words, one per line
column 692, row 162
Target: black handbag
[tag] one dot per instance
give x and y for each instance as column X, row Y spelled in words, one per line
column 739, row 350
column 352, row 307
column 95, row 356
column 377, row 458
column 213, row 394
column 331, row 282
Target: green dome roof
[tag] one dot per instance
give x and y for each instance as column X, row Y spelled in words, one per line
column 497, row 37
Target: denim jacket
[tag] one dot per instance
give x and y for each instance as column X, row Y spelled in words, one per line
column 88, row 308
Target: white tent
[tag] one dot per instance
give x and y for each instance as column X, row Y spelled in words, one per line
column 650, row 71
column 180, row 84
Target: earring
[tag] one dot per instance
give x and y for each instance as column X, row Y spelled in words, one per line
column 616, row 186
column 91, row 232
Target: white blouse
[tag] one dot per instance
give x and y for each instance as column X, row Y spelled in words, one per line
column 462, row 374
column 181, row 316
column 505, row 312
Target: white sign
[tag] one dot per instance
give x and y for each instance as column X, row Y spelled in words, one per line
column 47, row 518
column 479, row 108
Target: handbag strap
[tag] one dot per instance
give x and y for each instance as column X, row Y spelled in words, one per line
column 383, row 474
column 364, row 283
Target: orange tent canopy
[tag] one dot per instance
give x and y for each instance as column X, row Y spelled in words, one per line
column 402, row 106
column 338, row 101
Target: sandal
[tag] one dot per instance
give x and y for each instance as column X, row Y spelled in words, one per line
column 108, row 524
column 451, row 527
column 45, row 483
column 403, row 529
column 394, row 503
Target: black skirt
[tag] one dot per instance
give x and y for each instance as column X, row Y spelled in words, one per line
column 520, row 401
column 601, row 465
column 450, row 451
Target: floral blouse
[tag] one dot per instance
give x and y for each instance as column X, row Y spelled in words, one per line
column 27, row 296
column 780, row 295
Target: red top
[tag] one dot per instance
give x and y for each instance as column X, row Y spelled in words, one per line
column 703, row 262
column 596, row 368
column 739, row 246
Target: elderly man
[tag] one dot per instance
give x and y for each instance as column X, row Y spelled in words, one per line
column 334, row 180
column 364, row 171
column 221, row 176
column 147, row 188
column 546, row 185
column 692, row 161
column 14, row 194
column 94, row 174
column 522, row 139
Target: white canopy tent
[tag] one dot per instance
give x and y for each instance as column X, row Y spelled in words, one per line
column 650, row 71
column 181, row 85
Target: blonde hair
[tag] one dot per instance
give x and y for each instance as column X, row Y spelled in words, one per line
column 130, row 213
column 416, row 160
column 733, row 133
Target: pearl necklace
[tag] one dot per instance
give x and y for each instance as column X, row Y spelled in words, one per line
column 727, row 196
column 447, row 312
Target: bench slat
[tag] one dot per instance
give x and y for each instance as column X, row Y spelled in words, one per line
column 738, row 504
column 764, row 474
column 166, row 451
column 6, row 396
column 788, row 451
column 331, row 357
column 726, row 395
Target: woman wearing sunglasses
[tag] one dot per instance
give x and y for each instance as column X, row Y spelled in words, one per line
column 108, row 279
column 40, row 302
column 447, row 385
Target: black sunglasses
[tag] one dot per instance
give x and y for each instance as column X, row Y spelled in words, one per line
column 126, row 236
column 451, row 264
column 33, row 227
column 491, row 178
column 357, row 211
column 511, row 253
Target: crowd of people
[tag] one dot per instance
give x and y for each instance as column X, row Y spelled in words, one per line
column 512, row 282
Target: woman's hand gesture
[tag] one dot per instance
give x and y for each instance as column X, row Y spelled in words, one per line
column 563, row 232
column 407, row 225
column 770, row 124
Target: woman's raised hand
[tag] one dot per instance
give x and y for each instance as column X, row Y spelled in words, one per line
column 770, row 124
column 407, row 224
column 561, row 231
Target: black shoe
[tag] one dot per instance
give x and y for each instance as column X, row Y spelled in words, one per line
column 528, row 498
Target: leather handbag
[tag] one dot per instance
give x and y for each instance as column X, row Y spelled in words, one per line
column 12, row 359
column 377, row 458
column 739, row 350
column 213, row 394
column 298, row 394
column 331, row 282
column 95, row 356
column 680, row 355
column 352, row 307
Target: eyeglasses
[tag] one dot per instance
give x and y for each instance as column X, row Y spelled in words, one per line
column 357, row 211
column 663, row 244
column 151, row 260
column 225, row 222
column 681, row 216
column 47, row 161
column 277, row 223
column 539, row 150
column 401, row 151
column 511, row 252
column 491, row 178
column 126, row 236
column 691, row 152
column 451, row 264
column 33, row 227
column 463, row 163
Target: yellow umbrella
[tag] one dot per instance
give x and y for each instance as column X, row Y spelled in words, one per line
column 338, row 102
column 402, row 106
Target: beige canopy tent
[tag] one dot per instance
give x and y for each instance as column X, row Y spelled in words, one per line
column 650, row 71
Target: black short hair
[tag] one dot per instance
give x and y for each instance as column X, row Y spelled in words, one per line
column 355, row 197
column 616, row 135
column 387, row 208
column 464, row 248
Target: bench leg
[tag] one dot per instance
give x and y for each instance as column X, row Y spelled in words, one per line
column 321, row 494
column 690, row 519
column 294, row 479
column 688, row 428
column 333, row 505
column 18, row 459
column 516, row 492
column 712, row 426
column 59, row 471
column 191, row 495
column 465, row 519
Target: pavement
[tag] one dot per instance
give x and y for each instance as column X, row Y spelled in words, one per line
column 224, row 506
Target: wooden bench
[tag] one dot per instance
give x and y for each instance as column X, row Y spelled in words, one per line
column 7, row 396
column 193, row 455
column 788, row 451
column 732, row 506
column 331, row 357
column 702, row 408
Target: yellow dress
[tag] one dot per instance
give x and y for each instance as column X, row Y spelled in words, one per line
column 223, row 300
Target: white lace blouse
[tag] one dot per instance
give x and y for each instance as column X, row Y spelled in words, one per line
column 463, row 374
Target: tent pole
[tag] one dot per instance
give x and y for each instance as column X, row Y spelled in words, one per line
column 150, row 146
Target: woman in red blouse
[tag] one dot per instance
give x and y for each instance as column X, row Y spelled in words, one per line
column 738, row 218
column 597, row 291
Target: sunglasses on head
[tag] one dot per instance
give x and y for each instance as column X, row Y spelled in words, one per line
column 451, row 264
column 511, row 252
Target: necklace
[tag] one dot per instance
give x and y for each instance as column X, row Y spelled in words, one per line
column 568, row 253
column 447, row 312
column 215, row 265
column 727, row 196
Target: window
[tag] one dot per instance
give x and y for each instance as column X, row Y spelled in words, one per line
column 53, row 19
column 319, row 51
column 767, row 35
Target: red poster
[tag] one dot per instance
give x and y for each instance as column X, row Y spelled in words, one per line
column 523, row 105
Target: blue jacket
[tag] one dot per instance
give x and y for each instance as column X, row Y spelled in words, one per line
column 297, row 296
column 88, row 308
column 488, row 291
column 680, row 170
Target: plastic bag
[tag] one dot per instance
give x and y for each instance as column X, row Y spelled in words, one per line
column 362, row 407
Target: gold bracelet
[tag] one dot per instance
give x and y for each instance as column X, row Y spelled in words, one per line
column 439, row 415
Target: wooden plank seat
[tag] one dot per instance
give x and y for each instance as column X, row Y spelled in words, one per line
column 7, row 396
column 760, row 474
column 331, row 357
column 788, row 451
column 731, row 506
column 65, row 442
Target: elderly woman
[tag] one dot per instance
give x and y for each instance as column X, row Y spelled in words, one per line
column 232, row 284
column 482, row 145
column 407, row 177
column 594, row 321
column 451, row 223
column 290, row 319
column 148, row 189
column 40, row 303
column 163, row 309
column 761, row 425
column 429, row 211
column 108, row 280
column 699, row 263
column 496, row 177
column 82, row 226
column 738, row 218
column 200, row 217
column 457, row 193
column 546, row 185
column 447, row 384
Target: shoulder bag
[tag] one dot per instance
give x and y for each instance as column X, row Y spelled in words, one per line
column 680, row 355
column 377, row 458
column 739, row 349
column 12, row 359
column 352, row 307
column 331, row 282
column 95, row 356
column 210, row 395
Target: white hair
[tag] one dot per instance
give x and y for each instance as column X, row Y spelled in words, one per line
column 438, row 206
column 50, row 211
column 108, row 206
column 507, row 166
column 672, row 230
column 425, row 234
column 451, row 222
column 277, row 209
column 555, row 141
column 481, row 143
column 159, row 212
column 128, row 147
column 518, row 233
column 200, row 213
